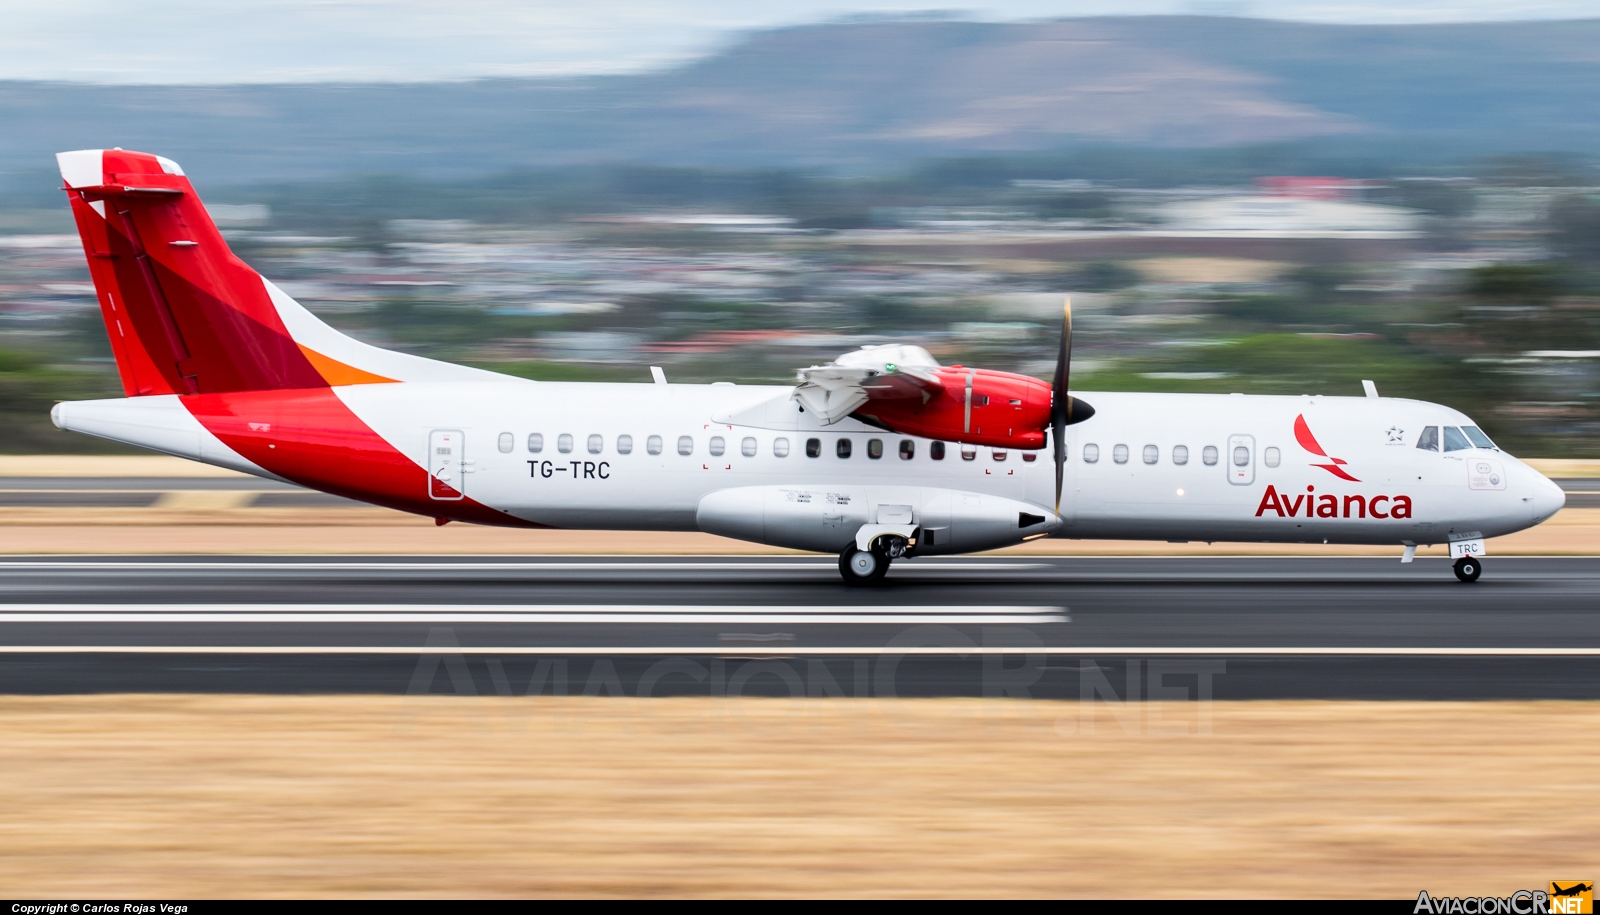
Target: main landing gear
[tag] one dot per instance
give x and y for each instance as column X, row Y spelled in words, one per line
column 1468, row 568
column 862, row 567
column 867, row 567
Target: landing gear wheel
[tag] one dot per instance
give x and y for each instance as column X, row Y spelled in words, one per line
column 862, row 567
column 1468, row 568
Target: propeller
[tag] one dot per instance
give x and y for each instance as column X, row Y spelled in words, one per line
column 1064, row 408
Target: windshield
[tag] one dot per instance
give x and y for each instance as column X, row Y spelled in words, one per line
column 1477, row 436
column 1454, row 440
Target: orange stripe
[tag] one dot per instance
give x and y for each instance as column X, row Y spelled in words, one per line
column 336, row 373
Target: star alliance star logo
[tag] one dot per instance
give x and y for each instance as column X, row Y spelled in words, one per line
column 1397, row 435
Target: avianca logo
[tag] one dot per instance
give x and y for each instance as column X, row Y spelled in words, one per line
column 1302, row 434
column 1311, row 505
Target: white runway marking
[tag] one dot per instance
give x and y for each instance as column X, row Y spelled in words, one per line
column 939, row 650
column 807, row 564
column 501, row 613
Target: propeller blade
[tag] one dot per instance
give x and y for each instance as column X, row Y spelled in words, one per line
column 1060, row 400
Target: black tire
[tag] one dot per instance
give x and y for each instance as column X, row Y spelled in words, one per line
column 860, row 568
column 1468, row 568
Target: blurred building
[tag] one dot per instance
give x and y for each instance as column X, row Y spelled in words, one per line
column 1303, row 211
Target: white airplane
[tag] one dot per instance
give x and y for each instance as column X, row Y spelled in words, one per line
column 879, row 456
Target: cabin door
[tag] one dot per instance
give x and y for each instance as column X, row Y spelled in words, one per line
column 447, row 465
column 1241, row 459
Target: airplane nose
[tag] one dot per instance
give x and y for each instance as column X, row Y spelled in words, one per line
column 1548, row 498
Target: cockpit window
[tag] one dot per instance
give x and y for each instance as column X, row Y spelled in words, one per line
column 1477, row 436
column 1430, row 439
column 1454, row 440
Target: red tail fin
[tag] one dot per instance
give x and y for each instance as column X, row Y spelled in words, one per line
column 185, row 316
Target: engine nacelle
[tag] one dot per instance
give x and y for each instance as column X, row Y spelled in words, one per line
column 825, row 518
column 977, row 406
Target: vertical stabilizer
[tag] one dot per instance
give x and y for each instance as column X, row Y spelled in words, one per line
column 184, row 314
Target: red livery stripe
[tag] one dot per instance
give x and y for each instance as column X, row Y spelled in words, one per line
column 311, row 437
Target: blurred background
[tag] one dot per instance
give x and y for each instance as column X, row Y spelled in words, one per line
column 1271, row 197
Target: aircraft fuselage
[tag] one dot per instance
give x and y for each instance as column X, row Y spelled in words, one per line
column 647, row 456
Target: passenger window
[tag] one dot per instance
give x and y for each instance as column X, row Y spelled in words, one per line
column 842, row 449
column 813, row 447
column 908, row 449
column 748, row 447
column 1454, row 440
column 507, row 442
column 999, row 455
column 874, row 448
column 1091, row 453
column 1241, row 456
column 1477, row 436
column 1272, row 456
column 1028, row 457
column 1151, row 454
column 653, row 444
column 1180, row 454
column 564, row 443
column 718, row 446
column 685, row 445
column 780, row 447
column 969, row 452
column 596, row 443
column 1119, row 454
column 936, row 451
column 1208, row 455
column 624, row 444
column 1430, row 439
column 535, row 443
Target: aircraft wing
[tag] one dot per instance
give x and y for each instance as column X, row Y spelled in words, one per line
column 832, row 392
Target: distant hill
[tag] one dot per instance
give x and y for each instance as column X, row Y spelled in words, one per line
column 869, row 92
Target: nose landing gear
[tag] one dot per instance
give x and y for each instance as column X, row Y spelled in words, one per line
column 1468, row 568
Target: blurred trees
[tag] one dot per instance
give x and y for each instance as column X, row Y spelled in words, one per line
column 1575, row 228
column 1104, row 276
column 29, row 387
column 1517, row 283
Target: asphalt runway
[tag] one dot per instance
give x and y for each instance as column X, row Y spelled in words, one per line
column 1106, row 629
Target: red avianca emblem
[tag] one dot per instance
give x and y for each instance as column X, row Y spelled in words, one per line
column 1302, row 434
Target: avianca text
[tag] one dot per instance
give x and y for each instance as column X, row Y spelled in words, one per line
column 1327, row 505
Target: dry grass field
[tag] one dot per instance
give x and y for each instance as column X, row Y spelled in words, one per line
column 215, row 796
